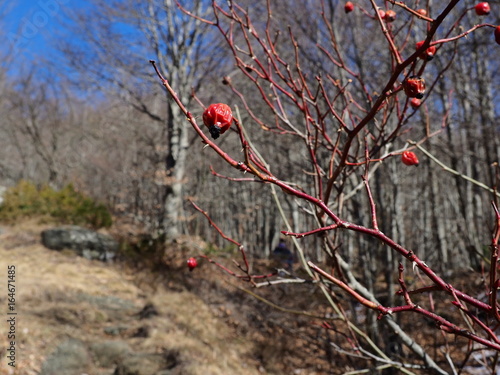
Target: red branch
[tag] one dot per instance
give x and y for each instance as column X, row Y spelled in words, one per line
column 279, row 83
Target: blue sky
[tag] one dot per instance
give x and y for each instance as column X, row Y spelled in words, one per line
column 30, row 26
column 30, row 23
column 34, row 31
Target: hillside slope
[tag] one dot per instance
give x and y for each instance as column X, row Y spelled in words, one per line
column 80, row 316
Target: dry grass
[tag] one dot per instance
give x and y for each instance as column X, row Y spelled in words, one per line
column 58, row 297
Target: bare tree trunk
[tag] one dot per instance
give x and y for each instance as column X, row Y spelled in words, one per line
column 175, row 165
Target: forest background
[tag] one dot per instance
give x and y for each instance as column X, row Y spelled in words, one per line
column 81, row 104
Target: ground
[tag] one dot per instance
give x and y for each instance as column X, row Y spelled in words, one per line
column 204, row 321
column 60, row 295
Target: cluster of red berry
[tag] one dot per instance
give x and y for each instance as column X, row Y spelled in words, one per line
column 481, row 9
column 428, row 54
column 414, row 86
column 218, row 117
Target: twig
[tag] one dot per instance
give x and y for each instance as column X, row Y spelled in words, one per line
column 452, row 171
column 278, row 307
column 345, row 287
column 494, row 282
column 284, row 281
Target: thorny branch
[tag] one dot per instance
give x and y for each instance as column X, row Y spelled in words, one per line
column 281, row 83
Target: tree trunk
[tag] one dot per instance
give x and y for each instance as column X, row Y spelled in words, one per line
column 175, row 164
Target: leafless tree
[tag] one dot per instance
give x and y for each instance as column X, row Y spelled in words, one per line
column 111, row 55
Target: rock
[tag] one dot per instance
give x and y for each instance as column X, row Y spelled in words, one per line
column 115, row 330
column 70, row 358
column 3, row 189
column 148, row 364
column 115, row 307
column 85, row 242
column 109, row 353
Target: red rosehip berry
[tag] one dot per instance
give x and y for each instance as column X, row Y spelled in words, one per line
column 390, row 16
column 348, row 7
column 415, row 103
column 409, row 158
column 482, row 9
column 428, row 54
column 218, row 119
column 497, row 34
column 414, row 87
column 381, row 13
column 192, row 263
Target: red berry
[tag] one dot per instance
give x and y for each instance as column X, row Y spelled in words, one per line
column 497, row 34
column 218, row 119
column 409, row 158
column 414, row 87
column 348, row 7
column 381, row 13
column 390, row 16
column 415, row 103
column 428, row 54
column 482, row 9
column 192, row 263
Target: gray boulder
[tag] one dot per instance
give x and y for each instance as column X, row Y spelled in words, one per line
column 85, row 242
column 70, row 358
column 109, row 353
column 150, row 364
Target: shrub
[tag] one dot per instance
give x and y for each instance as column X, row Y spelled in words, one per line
column 327, row 109
column 66, row 205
